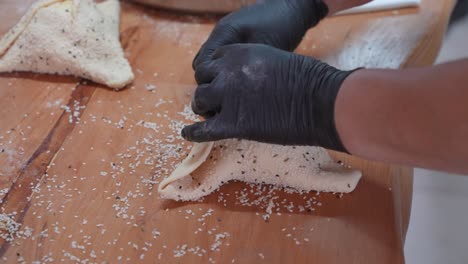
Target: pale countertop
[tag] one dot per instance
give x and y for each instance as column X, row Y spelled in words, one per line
column 438, row 230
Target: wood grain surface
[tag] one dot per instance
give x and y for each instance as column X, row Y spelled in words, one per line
column 79, row 163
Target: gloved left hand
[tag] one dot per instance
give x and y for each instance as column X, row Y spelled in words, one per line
column 278, row 23
column 256, row 92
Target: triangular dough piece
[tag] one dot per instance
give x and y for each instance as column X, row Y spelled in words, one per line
column 68, row 37
column 14, row 32
column 214, row 164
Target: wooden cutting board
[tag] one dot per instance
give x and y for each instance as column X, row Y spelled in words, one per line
column 79, row 163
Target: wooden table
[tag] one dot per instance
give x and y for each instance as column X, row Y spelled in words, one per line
column 79, row 162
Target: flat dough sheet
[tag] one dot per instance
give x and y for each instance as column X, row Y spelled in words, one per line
column 68, row 37
column 210, row 165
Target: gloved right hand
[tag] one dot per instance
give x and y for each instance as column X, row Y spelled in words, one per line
column 257, row 92
column 278, row 23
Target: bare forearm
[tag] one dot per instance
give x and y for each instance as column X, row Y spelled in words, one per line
column 335, row 6
column 417, row 117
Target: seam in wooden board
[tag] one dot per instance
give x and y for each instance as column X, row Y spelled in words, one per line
column 35, row 166
column 126, row 39
column 128, row 35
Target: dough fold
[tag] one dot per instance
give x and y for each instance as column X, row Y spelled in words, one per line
column 210, row 165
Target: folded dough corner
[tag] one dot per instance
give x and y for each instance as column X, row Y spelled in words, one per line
column 210, row 165
column 68, row 37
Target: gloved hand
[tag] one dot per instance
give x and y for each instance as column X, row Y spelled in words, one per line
column 257, row 92
column 278, row 23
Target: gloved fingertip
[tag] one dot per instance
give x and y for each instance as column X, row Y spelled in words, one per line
column 194, row 62
column 192, row 132
column 183, row 133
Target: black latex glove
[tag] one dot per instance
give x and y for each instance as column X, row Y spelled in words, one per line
column 278, row 23
column 257, row 92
